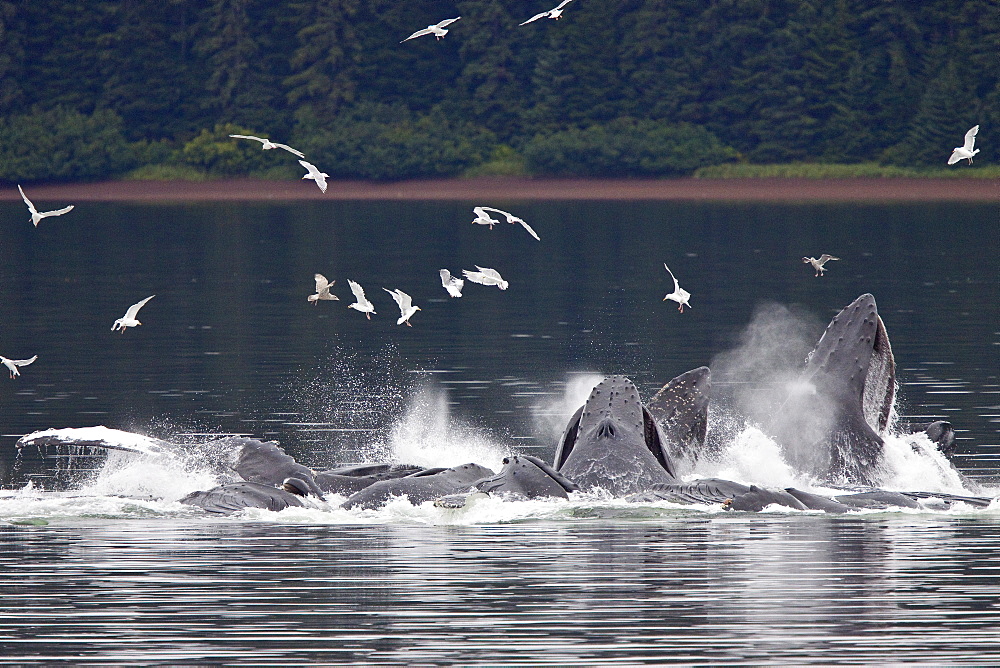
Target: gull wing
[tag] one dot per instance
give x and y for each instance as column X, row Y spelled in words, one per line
column 57, row 212
column 490, row 273
column 955, row 157
column 134, row 308
column 262, row 141
column 24, row 362
column 321, row 283
column 677, row 286
column 824, row 257
column 447, row 22
column 481, row 211
column 311, row 168
column 477, row 277
column 970, row 138
column 419, row 33
column 563, row 4
column 528, row 227
column 31, row 207
column 359, row 292
column 494, row 210
column 445, row 277
column 402, row 299
column 290, row 149
column 534, row 18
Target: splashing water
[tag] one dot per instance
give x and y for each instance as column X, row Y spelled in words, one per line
column 427, row 435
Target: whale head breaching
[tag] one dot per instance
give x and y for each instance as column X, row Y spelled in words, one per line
column 830, row 423
column 613, row 443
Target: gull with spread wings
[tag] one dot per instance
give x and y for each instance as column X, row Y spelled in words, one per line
column 35, row 215
column 554, row 13
column 965, row 152
column 322, row 290
column 406, row 307
column 361, row 304
column 267, row 144
column 437, row 30
column 679, row 295
column 128, row 320
column 511, row 218
column 486, row 276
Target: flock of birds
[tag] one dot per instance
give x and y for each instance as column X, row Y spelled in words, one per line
column 453, row 285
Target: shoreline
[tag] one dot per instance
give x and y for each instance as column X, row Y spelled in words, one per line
column 507, row 188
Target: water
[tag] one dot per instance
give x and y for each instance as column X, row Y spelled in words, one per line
column 230, row 345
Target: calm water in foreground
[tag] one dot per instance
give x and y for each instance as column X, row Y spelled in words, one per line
column 104, row 566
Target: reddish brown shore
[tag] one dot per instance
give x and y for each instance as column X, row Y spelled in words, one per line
column 499, row 189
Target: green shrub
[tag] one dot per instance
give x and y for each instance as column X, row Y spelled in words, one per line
column 217, row 154
column 64, row 145
column 376, row 141
column 626, row 147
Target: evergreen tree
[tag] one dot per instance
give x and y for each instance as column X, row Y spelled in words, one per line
column 493, row 86
column 11, row 59
column 160, row 93
column 323, row 67
column 946, row 111
column 239, row 89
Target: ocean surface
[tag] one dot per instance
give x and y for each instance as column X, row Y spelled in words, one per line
column 100, row 564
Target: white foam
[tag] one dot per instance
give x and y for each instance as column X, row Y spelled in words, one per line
column 428, row 436
column 113, row 438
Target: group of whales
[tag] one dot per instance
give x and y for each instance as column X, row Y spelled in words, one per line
column 616, row 445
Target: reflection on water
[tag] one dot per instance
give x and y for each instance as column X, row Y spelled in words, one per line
column 230, row 345
column 765, row 589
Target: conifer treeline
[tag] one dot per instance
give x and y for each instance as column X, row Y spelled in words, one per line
column 614, row 87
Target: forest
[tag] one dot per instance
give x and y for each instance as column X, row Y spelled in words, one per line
column 93, row 89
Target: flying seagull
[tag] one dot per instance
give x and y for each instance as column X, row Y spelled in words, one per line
column 451, row 284
column 314, row 174
column 486, row 276
column 483, row 218
column 818, row 264
column 128, row 320
column 965, row 151
column 406, row 307
column 437, row 30
column 679, row 295
column 511, row 218
column 323, row 290
column 268, row 144
column 362, row 304
column 551, row 14
column 13, row 364
column 35, row 216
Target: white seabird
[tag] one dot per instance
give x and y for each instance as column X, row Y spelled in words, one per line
column 35, row 215
column 554, row 13
column 818, row 264
column 406, row 307
column 452, row 284
column 483, row 218
column 322, row 290
column 362, row 304
column 267, row 144
column 13, row 364
column 511, row 218
column 679, row 295
column 486, row 276
column 437, row 30
column 965, row 151
column 314, row 174
column 128, row 320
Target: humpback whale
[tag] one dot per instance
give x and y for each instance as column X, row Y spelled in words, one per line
column 829, row 424
column 829, row 427
column 613, row 443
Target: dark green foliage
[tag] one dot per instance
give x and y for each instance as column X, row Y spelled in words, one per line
column 624, row 147
column 780, row 81
column 389, row 142
column 64, row 145
column 217, row 154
